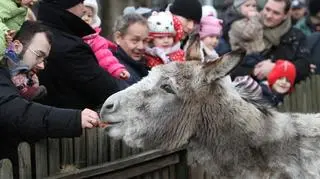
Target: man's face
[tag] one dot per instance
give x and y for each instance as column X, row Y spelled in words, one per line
column 315, row 20
column 35, row 54
column 273, row 13
column 78, row 10
column 298, row 13
column 134, row 42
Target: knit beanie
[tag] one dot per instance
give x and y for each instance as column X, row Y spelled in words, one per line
column 63, row 4
column 189, row 9
column 94, row 5
column 238, row 3
column 282, row 68
column 210, row 25
column 161, row 24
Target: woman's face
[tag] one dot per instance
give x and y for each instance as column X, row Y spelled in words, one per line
column 188, row 25
column 134, row 41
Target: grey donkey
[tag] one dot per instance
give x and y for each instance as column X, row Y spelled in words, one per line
column 195, row 105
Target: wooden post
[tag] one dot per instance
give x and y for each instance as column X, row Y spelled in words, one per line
column 24, row 153
column 6, row 169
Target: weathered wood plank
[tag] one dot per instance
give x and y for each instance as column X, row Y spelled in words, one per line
column 129, row 167
column 103, row 147
column 92, row 146
column 41, row 159
column 24, row 155
column 172, row 172
column 80, row 151
column 6, row 169
column 115, row 149
column 67, row 152
column 165, row 173
column 54, row 156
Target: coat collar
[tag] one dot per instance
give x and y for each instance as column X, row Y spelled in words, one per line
column 63, row 20
column 125, row 58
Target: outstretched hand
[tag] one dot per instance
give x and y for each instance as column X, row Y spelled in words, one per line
column 89, row 119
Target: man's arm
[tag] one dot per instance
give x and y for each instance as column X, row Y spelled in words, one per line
column 33, row 121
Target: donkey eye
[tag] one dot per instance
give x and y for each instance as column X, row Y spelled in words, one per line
column 158, row 23
column 167, row 88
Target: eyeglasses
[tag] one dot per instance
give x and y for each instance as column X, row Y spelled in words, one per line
column 39, row 56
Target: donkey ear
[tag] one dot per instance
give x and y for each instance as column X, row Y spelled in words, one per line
column 223, row 65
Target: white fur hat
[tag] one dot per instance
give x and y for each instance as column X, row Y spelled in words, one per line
column 94, row 5
column 161, row 23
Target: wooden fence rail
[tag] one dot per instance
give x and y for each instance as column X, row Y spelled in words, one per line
column 96, row 155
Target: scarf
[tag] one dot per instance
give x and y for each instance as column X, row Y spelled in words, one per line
column 272, row 36
column 163, row 53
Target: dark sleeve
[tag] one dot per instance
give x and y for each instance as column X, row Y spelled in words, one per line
column 33, row 121
column 247, row 65
column 83, row 70
column 301, row 60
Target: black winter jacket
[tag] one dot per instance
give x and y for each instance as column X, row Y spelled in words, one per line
column 22, row 120
column 137, row 69
column 292, row 47
column 72, row 76
column 313, row 43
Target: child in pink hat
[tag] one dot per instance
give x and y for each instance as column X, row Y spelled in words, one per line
column 210, row 32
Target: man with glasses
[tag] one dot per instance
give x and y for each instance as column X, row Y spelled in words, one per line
column 24, row 72
column 23, row 120
column 310, row 23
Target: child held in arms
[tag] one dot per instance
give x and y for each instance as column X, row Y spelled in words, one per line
column 99, row 45
column 279, row 83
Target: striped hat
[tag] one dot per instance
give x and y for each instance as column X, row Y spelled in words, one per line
column 248, row 84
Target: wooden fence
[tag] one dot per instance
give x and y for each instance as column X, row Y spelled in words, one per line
column 95, row 155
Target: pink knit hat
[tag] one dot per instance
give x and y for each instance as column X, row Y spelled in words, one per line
column 210, row 25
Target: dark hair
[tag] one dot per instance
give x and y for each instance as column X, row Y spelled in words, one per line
column 29, row 29
column 287, row 5
column 314, row 7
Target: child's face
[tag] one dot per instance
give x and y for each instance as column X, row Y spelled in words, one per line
column 27, row 3
column 210, row 41
column 248, row 6
column 282, row 85
column 163, row 42
column 88, row 15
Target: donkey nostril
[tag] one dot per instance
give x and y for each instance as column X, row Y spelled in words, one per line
column 109, row 106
